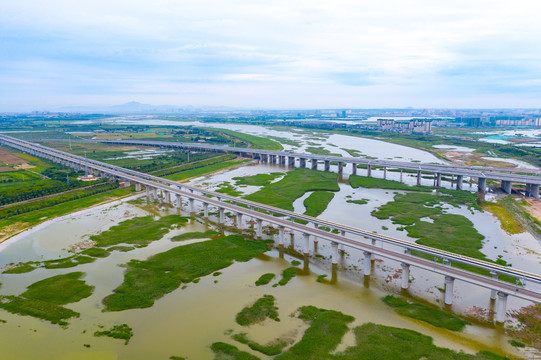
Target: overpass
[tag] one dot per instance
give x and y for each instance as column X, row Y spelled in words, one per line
column 371, row 244
column 530, row 178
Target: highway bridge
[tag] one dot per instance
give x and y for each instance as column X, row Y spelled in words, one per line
column 530, row 178
column 312, row 228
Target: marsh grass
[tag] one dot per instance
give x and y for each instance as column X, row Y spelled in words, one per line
column 122, row 331
column 317, row 202
column 224, row 351
column 195, row 235
column 263, row 308
column 370, row 182
column 264, row 279
column 273, row 348
column 287, row 275
column 258, row 179
column 60, row 289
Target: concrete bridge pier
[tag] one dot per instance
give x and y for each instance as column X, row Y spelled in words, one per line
column 191, row 205
column 137, row 186
column 206, row 210
column 527, row 190
column 418, row 177
column 438, row 179
column 385, row 172
column 340, row 167
column 493, row 293
column 147, row 192
column 506, row 186
column 482, row 185
column 534, row 190
column 302, row 162
column 178, row 201
column 221, row 215
column 239, row 221
column 314, row 164
column 281, row 235
column 282, row 160
column 167, row 198
column 369, row 170
column 367, row 263
column 501, row 307
column 334, row 248
column 154, row 193
column 401, row 174
column 291, row 161
column 272, row 159
column 449, row 285
column 327, row 166
column 306, row 248
column 259, row 228
column 353, row 169
column 459, row 179
column 264, row 158
column 405, row 276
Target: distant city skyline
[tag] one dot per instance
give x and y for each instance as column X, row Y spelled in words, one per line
column 273, row 55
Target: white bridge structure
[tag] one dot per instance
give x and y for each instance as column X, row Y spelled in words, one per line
column 370, row 243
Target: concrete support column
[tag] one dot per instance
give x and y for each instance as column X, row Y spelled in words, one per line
column 367, row 263
column 340, row 167
column 154, row 194
column 459, row 179
column 302, row 162
column 405, row 276
column 221, row 215
column 239, row 221
column 354, row 169
column 282, row 160
column 178, row 201
column 369, row 170
column 528, row 190
column 281, row 235
column 137, row 186
column 334, row 248
column 206, row 210
column 314, row 164
column 506, row 186
column 259, row 229
column 401, row 174
column 191, row 206
column 147, row 191
column 418, row 177
column 534, row 188
column 306, row 248
column 493, row 292
column 166, row 197
column 449, row 285
column 327, row 166
column 438, row 179
column 291, row 161
column 501, row 307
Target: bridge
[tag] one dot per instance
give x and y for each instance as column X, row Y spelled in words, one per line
column 312, row 228
column 530, row 178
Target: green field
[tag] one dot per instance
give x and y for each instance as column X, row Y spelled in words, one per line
column 317, row 202
column 263, row 308
column 357, row 181
column 257, row 141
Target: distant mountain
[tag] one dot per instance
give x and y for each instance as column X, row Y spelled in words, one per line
column 135, row 107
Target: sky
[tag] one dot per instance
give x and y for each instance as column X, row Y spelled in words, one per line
column 274, row 54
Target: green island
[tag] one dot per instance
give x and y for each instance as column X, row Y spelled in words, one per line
column 274, row 347
column 258, row 142
column 287, row 275
column 148, row 280
column 223, row 351
column 264, row 279
column 358, row 201
column 357, row 181
column 195, row 235
column 43, row 298
column 122, row 331
column 258, row 179
column 263, row 308
column 425, row 313
column 317, row 202
column 295, row 184
column 318, row 150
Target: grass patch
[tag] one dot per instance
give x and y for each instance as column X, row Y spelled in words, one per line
column 320, row 278
column 146, row 281
column 369, row 182
column 258, row 179
column 138, row 231
column 37, row 308
column 200, row 171
column 358, row 202
column 273, row 348
column 224, row 351
column 318, row 150
column 60, row 289
column 122, row 331
column 21, row 268
column 96, row 252
column 317, row 202
column 287, row 275
column 227, row 188
column 263, row 308
column 120, row 248
column 68, row 262
column 295, row 184
column 195, row 235
column 517, row 343
column 264, row 279
column 425, row 313
column 257, row 141
column 507, row 220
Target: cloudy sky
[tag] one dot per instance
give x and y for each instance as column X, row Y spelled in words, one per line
column 271, row 54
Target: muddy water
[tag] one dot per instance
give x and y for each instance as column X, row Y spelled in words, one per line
column 186, row 321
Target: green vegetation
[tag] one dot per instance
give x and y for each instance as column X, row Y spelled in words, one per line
column 369, row 182
column 264, row 279
column 59, row 289
column 287, row 275
column 527, row 326
column 507, row 221
column 195, row 235
column 517, row 343
column 138, row 231
column 515, row 218
column 271, row 349
column 257, row 141
column 425, row 313
column 121, row 248
column 68, row 262
column 321, row 277
column 146, row 281
column 283, row 193
column 37, row 308
column 122, row 331
column 193, row 164
column 318, row 150
column 21, row 268
column 353, row 152
column 96, row 252
column 327, row 327
column 317, row 202
column 258, row 179
column 227, row 188
column 296, row 263
column 225, row 351
column 263, row 308
column 358, row 202
column 200, row 171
